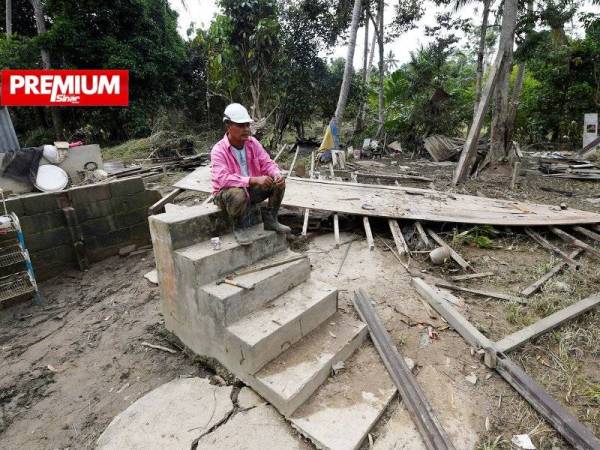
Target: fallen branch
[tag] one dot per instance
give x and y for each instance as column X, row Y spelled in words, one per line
column 159, row 347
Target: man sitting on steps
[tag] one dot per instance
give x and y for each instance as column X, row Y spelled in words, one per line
column 243, row 174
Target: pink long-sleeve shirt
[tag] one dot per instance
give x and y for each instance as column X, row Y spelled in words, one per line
column 225, row 170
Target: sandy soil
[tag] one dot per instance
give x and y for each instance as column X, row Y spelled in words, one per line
column 70, row 366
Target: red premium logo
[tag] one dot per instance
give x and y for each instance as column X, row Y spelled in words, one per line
column 65, row 88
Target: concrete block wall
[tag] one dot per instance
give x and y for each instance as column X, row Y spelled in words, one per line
column 110, row 216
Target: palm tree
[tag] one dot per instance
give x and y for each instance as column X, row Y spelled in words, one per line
column 348, row 68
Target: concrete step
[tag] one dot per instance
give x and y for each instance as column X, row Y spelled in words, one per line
column 202, row 264
column 342, row 412
column 263, row 335
column 288, row 381
column 233, row 303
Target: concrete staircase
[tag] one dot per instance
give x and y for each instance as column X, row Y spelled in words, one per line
column 281, row 336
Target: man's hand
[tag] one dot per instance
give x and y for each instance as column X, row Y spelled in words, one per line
column 279, row 181
column 263, row 182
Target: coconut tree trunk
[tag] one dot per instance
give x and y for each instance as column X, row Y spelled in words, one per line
column 8, row 10
column 372, row 54
column 38, row 10
column 360, row 116
column 381, row 115
column 514, row 102
column 348, row 69
column 499, row 145
column 481, row 53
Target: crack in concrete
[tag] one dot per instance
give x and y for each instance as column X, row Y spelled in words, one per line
column 235, row 410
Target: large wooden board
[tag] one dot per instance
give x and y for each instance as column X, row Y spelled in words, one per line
column 399, row 202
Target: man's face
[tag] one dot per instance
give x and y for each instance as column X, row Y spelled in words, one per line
column 239, row 131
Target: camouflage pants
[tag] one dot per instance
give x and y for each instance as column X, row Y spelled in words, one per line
column 235, row 203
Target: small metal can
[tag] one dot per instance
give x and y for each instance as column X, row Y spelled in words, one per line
column 216, row 243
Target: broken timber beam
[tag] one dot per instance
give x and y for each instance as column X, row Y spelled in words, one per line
column 518, row 338
column 469, row 151
column 484, row 293
column 336, row 230
column 429, row 426
column 368, row 233
column 422, row 234
column 588, row 233
column 576, row 242
column 559, row 417
column 456, row 320
column 398, row 238
column 386, row 176
column 455, row 256
column 535, row 286
column 163, row 201
column 547, row 245
column 471, row 276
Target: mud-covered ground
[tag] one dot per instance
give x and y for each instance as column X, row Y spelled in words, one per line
column 69, row 366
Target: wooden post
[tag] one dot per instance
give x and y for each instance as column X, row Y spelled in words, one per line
column 398, row 238
column 336, row 230
column 368, row 232
column 515, row 174
column 307, row 211
column 470, row 149
column 293, row 161
column 283, row 147
column 422, row 234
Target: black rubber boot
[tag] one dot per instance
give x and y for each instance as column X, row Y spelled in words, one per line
column 269, row 216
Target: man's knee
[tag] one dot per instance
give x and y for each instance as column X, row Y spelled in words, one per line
column 234, row 201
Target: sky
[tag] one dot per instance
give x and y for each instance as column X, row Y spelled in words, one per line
column 201, row 13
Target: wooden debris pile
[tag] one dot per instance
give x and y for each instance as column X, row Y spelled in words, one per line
column 443, row 148
column 557, row 165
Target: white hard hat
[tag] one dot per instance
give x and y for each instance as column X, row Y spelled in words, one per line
column 236, row 113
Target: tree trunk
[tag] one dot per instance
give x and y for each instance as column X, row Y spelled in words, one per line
column 514, row 102
column 255, row 91
column 372, row 54
column 481, row 53
column 8, row 18
column 499, row 145
column 360, row 116
column 380, row 8
column 348, row 68
column 38, row 10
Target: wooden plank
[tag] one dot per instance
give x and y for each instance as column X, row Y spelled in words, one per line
column 386, row 176
column 307, row 211
column 422, row 234
column 429, row 426
column 588, row 233
column 455, row 256
column 293, row 161
column 456, row 320
column 407, row 203
column 163, row 201
column 369, row 234
column 486, row 293
column 547, row 245
column 514, row 340
column 535, row 286
column 469, row 151
column 336, row 230
column 448, row 285
column 398, row 238
column 471, row 276
column 576, row 242
column 283, row 147
column 557, row 415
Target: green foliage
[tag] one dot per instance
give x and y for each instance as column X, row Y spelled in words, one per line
column 431, row 94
